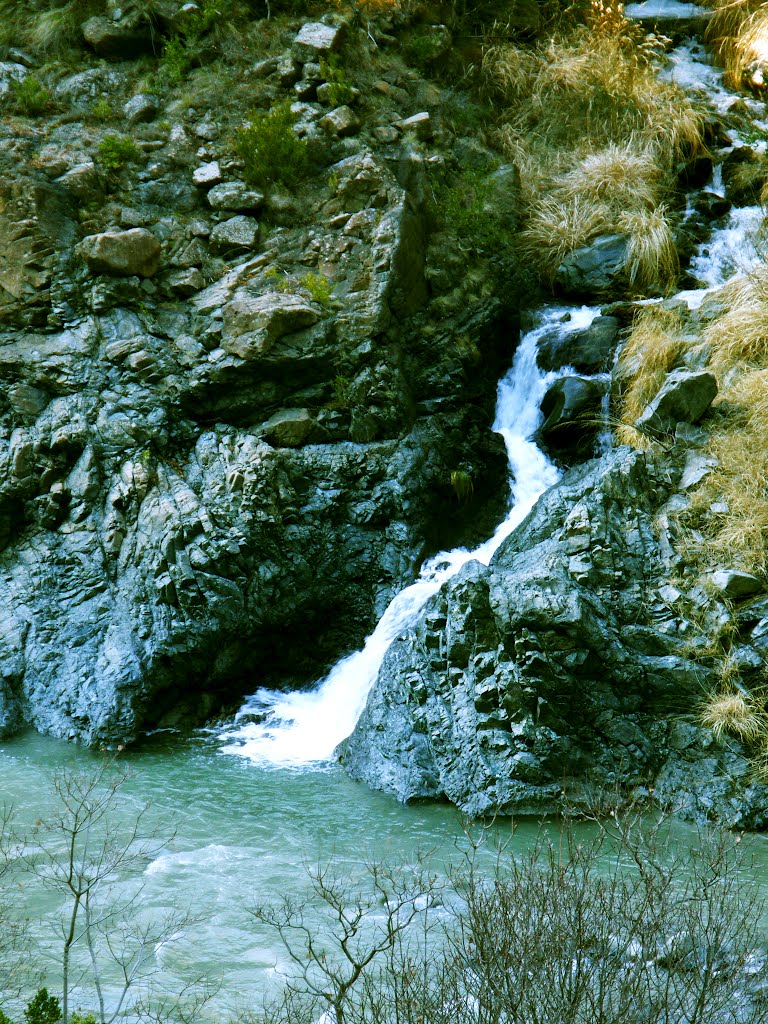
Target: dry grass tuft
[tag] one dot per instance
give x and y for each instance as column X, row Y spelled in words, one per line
column 732, row 712
column 738, row 31
column 621, row 176
column 558, row 224
column 652, row 259
column 652, row 350
column 740, row 335
column 597, row 137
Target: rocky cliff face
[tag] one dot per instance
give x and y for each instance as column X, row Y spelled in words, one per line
column 566, row 672
column 229, row 418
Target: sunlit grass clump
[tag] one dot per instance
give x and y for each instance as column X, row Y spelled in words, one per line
column 653, row 348
column 732, row 712
column 738, row 31
column 597, row 137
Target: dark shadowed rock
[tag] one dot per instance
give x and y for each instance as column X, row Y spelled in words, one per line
column 572, row 416
column 595, row 270
column 589, row 350
column 683, row 398
column 116, row 42
column 127, row 253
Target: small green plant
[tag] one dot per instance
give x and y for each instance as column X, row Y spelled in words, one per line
column 278, row 281
column 340, row 92
column 178, row 59
column 30, row 97
column 116, row 151
column 270, row 150
column 465, row 204
column 342, row 397
column 462, row 485
column 102, row 110
column 43, row 1009
column 319, row 287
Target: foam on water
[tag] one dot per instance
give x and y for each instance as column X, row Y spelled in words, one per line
column 305, row 727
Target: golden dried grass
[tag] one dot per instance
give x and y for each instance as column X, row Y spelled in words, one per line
column 652, row 258
column 557, row 225
column 597, row 136
column 732, row 712
column 652, row 349
column 620, row 175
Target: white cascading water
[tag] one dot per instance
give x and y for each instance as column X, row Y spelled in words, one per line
column 305, row 726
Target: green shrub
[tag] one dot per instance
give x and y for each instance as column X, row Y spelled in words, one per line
column 270, row 150
column 43, row 1009
column 340, row 92
column 102, row 110
column 465, row 206
column 178, row 59
column 30, row 97
column 115, row 151
column 319, row 287
column 4, row 1018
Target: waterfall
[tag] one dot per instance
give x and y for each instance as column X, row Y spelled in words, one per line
column 301, row 727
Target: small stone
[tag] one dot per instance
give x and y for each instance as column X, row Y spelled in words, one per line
column 288, row 428
column 288, row 71
column 235, row 196
column 123, row 253
column 697, row 466
column 341, row 122
column 317, row 40
column 305, row 90
column 115, row 42
column 386, row 134
column 192, row 255
column 10, row 74
column 420, row 124
column 186, row 282
column 208, row 175
column 264, row 68
column 234, row 236
column 27, row 401
column 141, row 108
column 734, row 584
column 82, row 181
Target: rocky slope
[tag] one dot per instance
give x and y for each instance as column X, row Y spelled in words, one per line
column 229, row 416
column 565, row 673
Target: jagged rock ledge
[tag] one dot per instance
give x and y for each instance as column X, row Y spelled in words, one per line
column 559, row 674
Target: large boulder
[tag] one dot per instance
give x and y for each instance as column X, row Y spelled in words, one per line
column 596, row 270
column 572, row 416
column 683, row 398
column 117, row 42
column 315, row 40
column 589, row 350
column 547, row 678
column 126, row 253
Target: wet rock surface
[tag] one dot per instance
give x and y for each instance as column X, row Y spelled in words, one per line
column 558, row 673
column 218, row 431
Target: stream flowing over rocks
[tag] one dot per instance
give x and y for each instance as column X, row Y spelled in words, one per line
column 558, row 668
column 217, row 473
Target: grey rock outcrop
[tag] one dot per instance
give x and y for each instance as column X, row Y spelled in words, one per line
column 556, row 673
column 596, row 270
column 186, row 481
column 683, row 398
column 588, row 351
column 133, row 252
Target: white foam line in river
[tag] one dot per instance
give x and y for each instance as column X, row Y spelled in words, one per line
column 305, row 726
